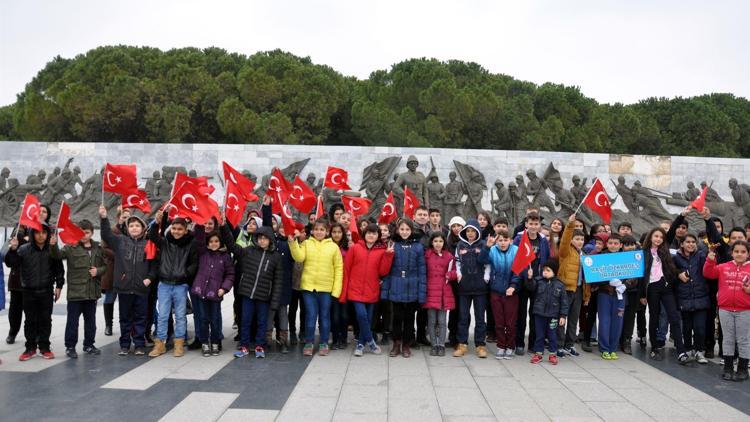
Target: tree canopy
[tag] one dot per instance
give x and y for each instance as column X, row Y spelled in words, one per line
column 141, row 94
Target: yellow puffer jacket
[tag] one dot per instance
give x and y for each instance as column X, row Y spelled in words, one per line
column 323, row 268
column 570, row 260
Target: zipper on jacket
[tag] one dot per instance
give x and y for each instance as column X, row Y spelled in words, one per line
column 257, row 276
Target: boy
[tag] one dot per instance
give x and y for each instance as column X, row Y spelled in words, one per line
column 625, row 229
column 500, row 224
column 571, row 250
column 178, row 263
column 40, row 274
column 610, row 306
column 472, row 289
column 85, row 267
column 132, row 277
column 550, row 309
column 540, row 245
column 435, row 224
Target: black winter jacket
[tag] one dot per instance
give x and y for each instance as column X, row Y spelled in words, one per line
column 693, row 295
column 261, row 268
column 39, row 271
column 178, row 258
column 550, row 299
column 131, row 266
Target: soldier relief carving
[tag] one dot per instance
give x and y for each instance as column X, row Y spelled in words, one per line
column 465, row 194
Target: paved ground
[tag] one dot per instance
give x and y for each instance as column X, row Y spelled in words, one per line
column 343, row 387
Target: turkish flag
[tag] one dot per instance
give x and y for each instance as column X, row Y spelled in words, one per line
column 598, row 200
column 356, row 205
column 302, row 197
column 30, row 212
column 700, row 201
column 279, row 189
column 119, row 178
column 388, row 214
column 201, row 182
column 288, row 222
column 68, row 232
column 240, row 184
column 410, row 203
column 337, row 179
column 320, row 210
column 189, row 201
column 234, row 204
column 524, row 256
column 136, row 199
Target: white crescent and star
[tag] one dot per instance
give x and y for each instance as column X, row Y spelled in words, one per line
column 391, row 209
column 353, row 205
column 528, row 249
column 605, row 201
column 109, row 181
column 333, row 178
column 277, row 188
column 130, row 203
column 296, row 188
column 187, row 196
column 235, row 207
column 28, row 211
column 285, row 210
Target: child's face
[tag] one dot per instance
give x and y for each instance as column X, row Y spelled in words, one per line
column 625, row 231
column 577, row 242
column 503, row 242
column 556, row 226
column 657, row 239
column 482, row 221
column 40, row 237
column 681, row 231
column 213, row 243
column 263, row 242
column 337, row 234
column 87, row 235
column 689, row 244
column 363, row 225
column 599, row 246
column 471, row 235
column 438, row 243
column 404, row 231
column 456, row 228
column 629, row 247
column 547, row 273
column 319, row 232
column 209, row 225
column 371, row 237
column 337, row 215
column 345, row 219
column 421, row 217
column 613, row 245
column 500, row 227
column 578, row 225
column 739, row 254
column 533, row 226
column 385, row 232
column 435, row 218
column 545, row 231
column 135, row 229
column 177, row 230
column 124, row 217
column 252, row 226
column 736, row 236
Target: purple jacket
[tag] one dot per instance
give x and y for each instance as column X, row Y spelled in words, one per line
column 215, row 271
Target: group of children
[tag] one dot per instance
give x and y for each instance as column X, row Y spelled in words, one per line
column 382, row 280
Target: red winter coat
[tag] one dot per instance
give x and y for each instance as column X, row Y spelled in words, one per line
column 363, row 269
column 439, row 292
column 731, row 296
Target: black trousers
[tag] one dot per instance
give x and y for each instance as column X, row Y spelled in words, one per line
column 525, row 310
column 590, row 317
column 37, row 307
column 381, row 319
column 75, row 309
column 659, row 294
column 15, row 312
column 453, row 317
column 711, row 320
column 297, row 304
column 403, row 321
column 421, row 323
column 632, row 304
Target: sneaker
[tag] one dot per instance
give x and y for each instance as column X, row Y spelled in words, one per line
column 10, row 339
column 108, row 330
column 359, row 351
column 47, row 354
column 259, row 352
column 242, row 352
column 206, row 349
column 553, row 359
column 139, row 351
column 123, row 352
column 613, row 356
column 656, row 354
column 92, row 350
column 71, row 353
column 499, row 353
column 508, row 354
column 520, row 351
column 27, row 355
column 561, row 353
column 700, row 357
column 374, row 348
column 606, row 356
column 627, row 348
column 586, row 347
column 323, row 350
column 537, row 357
column 441, row 350
column 572, row 351
column 307, row 350
column 684, row 358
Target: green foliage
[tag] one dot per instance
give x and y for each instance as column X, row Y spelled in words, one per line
column 140, row 94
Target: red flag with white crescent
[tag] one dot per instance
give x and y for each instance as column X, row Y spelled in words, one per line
column 320, row 210
column 136, row 199
column 301, row 196
column 288, row 222
column 240, row 184
column 279, row 189
column 119, row 178
column 388, row 214
column 700, row 201
column 234, row 204
column 337, row 179
column 525, row 255
column 411, row 203
column 67, row 231
column 30, row 212
column 598, row 200
column 356, row 205
column 189, row 201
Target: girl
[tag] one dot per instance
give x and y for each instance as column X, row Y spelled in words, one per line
column 364, row 264
column 381, row 320
column 405, row 286
column 556, row 228
column 214, row 279
column 440, row 271
column 339, row 315
column 693, row 297
column 734, row 306
column 455, row 226
column 657, row 291
column 485, row 226
column 322, row 274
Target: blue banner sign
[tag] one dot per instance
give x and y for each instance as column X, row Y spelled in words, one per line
column 610, row 266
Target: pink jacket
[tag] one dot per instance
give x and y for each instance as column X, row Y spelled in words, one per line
column 439, row 292
column 731, row 277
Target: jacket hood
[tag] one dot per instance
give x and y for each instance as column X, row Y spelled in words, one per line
column 143, row 224
column 45, row 227
column 471, row 224
column 267, row 232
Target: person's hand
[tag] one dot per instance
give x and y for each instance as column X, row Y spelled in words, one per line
column 711, row 255
column 644, row 302
column 222, row 292
column 267, row 199
column 530, row 273
column 93, row 272
column 510, row 291
column 13, row 243
column 562, row 321
column 53, row 239
column 57, row 294
column 146, row 282
column 158, row 216
column 390, row 248
column 683, row 277
column 572, row 218
column 459, row 277
column 102, row 211
column 291, row 237
column 491, row 241
column 585, row 303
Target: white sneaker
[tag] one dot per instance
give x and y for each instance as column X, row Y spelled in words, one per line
column 509, row 354
column 500, row 354
column 701, row 358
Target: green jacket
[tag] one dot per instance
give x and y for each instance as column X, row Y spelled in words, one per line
column 80, row 284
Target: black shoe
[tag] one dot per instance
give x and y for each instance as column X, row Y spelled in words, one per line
column 108, row 330
column 684, row 358
column 657, row 354
column 709, row 354
column 292, row 338
column 627, row 348
column 434, row 351
column 642, row 342
column 139, row 351
column 441, row 350
column 71, row 353
column 586, row 347
column 92, row 350
column 520, row 351
column 123, row 352
column 195, row 345
column 10, row 339
column 741, row 374
column 728, row 374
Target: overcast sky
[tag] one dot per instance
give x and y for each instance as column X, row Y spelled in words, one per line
column 615, row 51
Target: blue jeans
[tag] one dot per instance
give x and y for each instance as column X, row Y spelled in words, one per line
column 109, row 297
column 611, row 316
column 318, row 308
column 545, row 326
column 197, row 311
column 169, row 296
column 210, row 315
column 480, row 325
column 258, row 309
column 364, row 318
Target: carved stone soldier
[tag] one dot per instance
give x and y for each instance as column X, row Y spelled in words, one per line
column 435, row 192
column 692, row 192
column 412, row 178
column 711, row 194
column 474, row 192
column 537, row 189
column 454, row 193
column 503, row 204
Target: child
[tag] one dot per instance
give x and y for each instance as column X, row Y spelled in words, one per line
column 42, row 279
column 364, row 264
column 692, row 295
column 570, row 252
column 85, row 267
column 499, row 254
column 339, row 314
column 214, row 279
column 632, row 304
column 550, row 309
column 405, row 286
column 440, row 271
column 322, row 276
column 259, row 287
column 734, row 307
column 610, row 306
column 472, row 289
column 133, row 275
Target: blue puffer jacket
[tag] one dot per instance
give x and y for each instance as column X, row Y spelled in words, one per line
column 693, row 295
column 407, row 281
column 500, row 262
